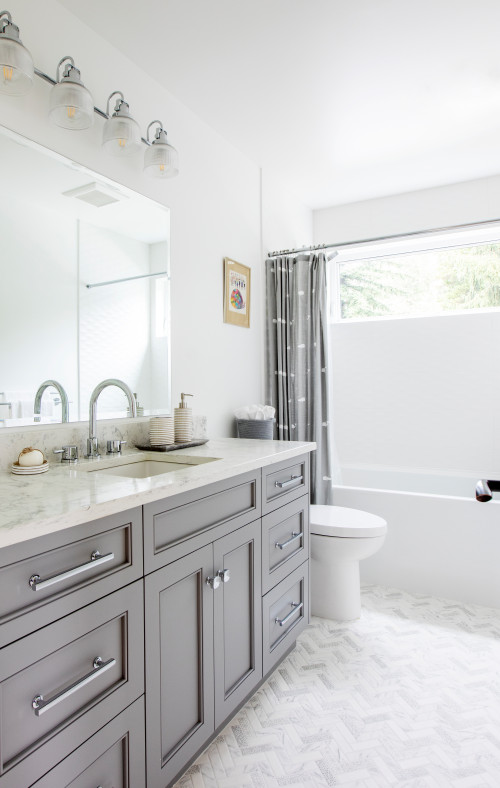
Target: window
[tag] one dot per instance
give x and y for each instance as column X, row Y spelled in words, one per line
column 430, row 275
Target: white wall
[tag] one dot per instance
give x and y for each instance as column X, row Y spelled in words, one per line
column 286, row 222
column 420, row 392
column 460, row 203
column 215, row 205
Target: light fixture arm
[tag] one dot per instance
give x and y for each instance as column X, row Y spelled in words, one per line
column 160, row 136
column 158, row 132
column 71, row 67
column 5, row 22
column 119, row 101
column 7, row 26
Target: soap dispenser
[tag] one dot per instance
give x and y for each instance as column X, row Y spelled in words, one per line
column 183, row 421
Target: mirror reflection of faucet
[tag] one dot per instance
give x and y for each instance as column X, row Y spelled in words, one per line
column 37, row 408
column 92, row 443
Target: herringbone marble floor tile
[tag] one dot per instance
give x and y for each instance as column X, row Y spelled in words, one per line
column 408, row 696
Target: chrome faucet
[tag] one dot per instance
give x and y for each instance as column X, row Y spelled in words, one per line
column 92, row 443
column 485, row 489
column 37, row 408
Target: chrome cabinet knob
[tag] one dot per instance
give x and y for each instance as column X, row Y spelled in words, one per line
column 225, row 575
column 213, row 582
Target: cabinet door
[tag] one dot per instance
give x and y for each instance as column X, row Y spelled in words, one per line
column 179, row 664
column 112, row 757
column 237, row 618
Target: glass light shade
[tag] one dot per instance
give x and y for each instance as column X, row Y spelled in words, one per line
column 161, row 160
column 121, row 136
column 16, row 67
column 71, row 105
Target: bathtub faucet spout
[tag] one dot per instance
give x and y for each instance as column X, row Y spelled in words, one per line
column 485, row 489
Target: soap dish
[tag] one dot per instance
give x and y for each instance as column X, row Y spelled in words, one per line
column 29, row 470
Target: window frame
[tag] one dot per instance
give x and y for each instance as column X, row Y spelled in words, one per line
column 401, row 245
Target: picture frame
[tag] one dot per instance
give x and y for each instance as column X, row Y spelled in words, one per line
column 236, row 293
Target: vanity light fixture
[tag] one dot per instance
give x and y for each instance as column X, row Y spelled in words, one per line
column 71, row 105
column 16, row 64
column 161, row 159
column 121, row 135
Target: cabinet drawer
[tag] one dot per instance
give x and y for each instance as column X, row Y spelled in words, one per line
column 69, row 678
column 285, row 541
column 199, row 516
column 112, row 757
column 44, row 579
column 284, row 482
column 285, row 613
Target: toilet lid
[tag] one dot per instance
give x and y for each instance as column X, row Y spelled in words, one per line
column 341, row 521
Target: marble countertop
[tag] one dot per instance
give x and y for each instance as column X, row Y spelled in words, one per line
column 66, row 495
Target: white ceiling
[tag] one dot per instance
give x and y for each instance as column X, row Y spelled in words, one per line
column 345, row 99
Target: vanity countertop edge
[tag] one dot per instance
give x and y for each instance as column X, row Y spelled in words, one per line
column 33, row 506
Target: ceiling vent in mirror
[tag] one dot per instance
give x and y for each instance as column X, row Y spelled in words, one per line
column 96, row 194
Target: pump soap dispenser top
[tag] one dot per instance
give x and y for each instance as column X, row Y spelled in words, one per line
column 183, row 421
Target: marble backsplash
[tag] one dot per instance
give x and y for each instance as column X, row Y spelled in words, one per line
column 54, row 436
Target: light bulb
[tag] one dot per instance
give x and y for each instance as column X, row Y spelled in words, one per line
column 161, row 160
column 17, row 69
column 121, row 135
column 71, row 105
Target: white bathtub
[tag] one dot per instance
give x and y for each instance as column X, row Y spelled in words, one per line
column 440, row 540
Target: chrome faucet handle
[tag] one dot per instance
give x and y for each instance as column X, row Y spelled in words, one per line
column 92, row 449
column 68, row 453
column 115, row 447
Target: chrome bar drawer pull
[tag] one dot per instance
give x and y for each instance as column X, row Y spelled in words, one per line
column 289, row 482
column 296, row 607
column 40, row 705
column 293, row 537
column 96, row 559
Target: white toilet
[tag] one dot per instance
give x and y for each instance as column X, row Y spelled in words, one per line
column 340, row 538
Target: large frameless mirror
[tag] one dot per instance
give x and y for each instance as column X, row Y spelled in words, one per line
column 84, row 289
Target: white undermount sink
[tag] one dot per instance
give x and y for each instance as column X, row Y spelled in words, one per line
column 143, row 466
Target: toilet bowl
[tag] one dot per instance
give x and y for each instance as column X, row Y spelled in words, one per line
column 340, row 539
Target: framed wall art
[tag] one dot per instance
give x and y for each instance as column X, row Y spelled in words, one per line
column 236, row 293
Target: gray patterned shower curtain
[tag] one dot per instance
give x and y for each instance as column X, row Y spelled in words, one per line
column 297, row 359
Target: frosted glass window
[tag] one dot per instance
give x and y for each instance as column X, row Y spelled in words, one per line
column 445, row 280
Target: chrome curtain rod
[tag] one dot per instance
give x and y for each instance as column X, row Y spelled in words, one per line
column 321, row 247
column 127, row 279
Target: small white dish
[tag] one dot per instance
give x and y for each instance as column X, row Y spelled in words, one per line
column 29, row 470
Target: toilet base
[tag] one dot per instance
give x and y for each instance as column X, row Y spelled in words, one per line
column 335, row 590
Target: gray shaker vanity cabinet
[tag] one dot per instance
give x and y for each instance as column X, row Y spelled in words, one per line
column 112, row 758
column 179, row 664
column 45, row 578
column 62, row 683
column 203, row 647
column 237, row 618
column 200, row 516
column 283, row 482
